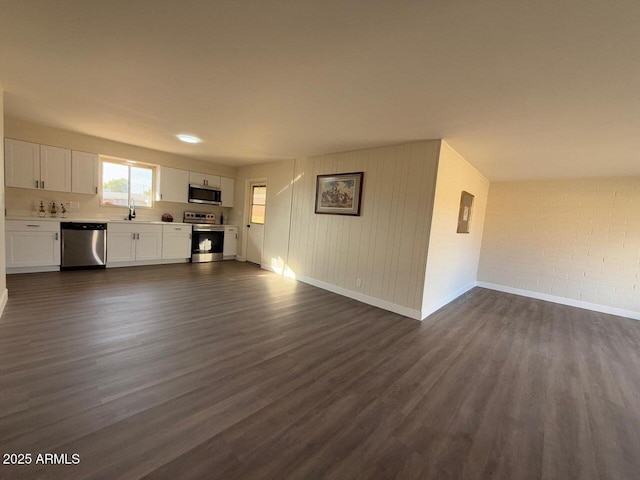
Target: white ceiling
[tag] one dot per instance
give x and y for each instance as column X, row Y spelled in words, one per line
column 522, row 89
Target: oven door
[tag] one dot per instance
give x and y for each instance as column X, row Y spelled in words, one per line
column 208, row 195
column 207, row 243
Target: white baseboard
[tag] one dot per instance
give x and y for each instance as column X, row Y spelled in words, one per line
column 3, row 300
column 434, row 307
column 376, row 302
column 269, row 268
column 17, row 270
column 140, row 263
column 621, row 312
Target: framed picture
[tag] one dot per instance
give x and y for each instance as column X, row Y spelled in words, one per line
column 339, row 194
column 464, row 216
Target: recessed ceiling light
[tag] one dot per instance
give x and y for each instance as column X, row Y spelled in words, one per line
column 188, row 138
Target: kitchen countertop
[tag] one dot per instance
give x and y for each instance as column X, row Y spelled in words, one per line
column 149, row 222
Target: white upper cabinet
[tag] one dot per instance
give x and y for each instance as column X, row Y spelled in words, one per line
column 205, row 179
column 55, row 168
column 173, row 185
column 213, row 181
column 84, row 172
column 22, row 164
column 196, row 178
column 30, row 165
column 227, row 186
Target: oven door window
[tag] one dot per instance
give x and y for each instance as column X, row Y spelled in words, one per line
column 207, row 242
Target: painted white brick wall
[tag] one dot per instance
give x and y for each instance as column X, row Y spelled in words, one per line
column 575, row 239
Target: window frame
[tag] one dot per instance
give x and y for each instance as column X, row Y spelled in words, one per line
column 128, row 163
column 252, row 203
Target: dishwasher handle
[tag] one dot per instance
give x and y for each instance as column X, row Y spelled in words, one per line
column 82, row 226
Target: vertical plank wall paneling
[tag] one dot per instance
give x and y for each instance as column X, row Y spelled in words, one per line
column 385, row 247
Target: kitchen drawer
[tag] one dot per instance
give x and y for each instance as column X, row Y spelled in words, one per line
column 176, row 228
column 133, row 228
column 230, row 229
column 31, row 225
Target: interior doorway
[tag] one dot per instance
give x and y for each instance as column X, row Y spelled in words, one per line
column 256, row 221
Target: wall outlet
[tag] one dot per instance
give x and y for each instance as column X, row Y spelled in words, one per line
column 73, row 205
column 358, row 282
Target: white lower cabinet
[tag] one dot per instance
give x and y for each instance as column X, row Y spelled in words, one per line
column 130, row 243
column 121, row 246
column 230, row 246
column 176, row 242
column 149, row 243
column 32, row 246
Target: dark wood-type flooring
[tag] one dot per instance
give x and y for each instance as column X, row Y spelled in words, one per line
column 226, row 371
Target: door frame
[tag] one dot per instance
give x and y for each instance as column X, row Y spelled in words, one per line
column 247, row 214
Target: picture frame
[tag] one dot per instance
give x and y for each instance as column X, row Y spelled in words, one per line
column 339, row 193
column 465, row 213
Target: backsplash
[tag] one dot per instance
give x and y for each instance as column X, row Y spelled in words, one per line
column 25, row 202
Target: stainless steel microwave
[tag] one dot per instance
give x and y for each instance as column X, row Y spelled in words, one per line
column 202, row 194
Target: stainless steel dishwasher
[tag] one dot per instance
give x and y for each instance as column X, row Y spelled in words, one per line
column 84, row 245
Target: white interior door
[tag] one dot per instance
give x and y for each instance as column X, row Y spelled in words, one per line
column 257, row 218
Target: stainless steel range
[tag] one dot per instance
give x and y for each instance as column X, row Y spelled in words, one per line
column 207, row 239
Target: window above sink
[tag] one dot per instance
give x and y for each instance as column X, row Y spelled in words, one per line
column 123, row 182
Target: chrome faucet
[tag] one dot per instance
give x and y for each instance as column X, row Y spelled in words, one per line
column 132, row 210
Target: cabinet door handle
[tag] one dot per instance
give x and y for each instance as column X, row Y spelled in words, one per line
column 236, row 236
column 160, row 196
column 37, row 184
column 137, row 236
column 178, row 229
column 33, row 225
column 96, row 189
column 42, row 182
column 56, row 235
column 133, row 236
